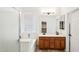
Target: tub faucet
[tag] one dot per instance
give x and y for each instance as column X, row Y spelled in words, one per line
column 29, row 35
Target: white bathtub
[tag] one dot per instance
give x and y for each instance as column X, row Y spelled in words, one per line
column 27, row 45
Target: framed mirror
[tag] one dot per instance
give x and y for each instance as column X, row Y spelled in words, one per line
column 62, row 22
column 62, row 25
column 44, row 27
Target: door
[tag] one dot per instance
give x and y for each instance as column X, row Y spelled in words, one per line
column 51, row 43
column 74, row 41
column 62, row 43
column 9, row 24
column 46, row 43
column 41, row 43
column 57, row 44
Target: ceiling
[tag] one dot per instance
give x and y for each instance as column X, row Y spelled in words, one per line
column 39, row 10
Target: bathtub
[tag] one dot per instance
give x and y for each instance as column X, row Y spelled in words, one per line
column 27, row 45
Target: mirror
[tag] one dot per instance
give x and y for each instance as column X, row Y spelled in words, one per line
column 62, row 25
column 62, row 22
column 44, row 27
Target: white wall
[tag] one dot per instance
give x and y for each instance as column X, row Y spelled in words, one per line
column 9, row 22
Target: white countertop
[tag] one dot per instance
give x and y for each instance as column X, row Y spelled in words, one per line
column 52, row 35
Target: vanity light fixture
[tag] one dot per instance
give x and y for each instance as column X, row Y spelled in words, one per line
column 48, row 11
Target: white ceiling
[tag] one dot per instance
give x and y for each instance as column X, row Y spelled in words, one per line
column 28, row 9
column 35, row 10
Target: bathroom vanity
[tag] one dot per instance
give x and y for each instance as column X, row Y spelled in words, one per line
column 55, row 42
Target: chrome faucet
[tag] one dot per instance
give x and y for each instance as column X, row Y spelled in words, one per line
column 28, row 35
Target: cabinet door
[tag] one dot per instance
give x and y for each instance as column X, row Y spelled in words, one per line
column 52, row 44
column 62, row 43
column 46, row 43
column 57, row 44
column 41, row 43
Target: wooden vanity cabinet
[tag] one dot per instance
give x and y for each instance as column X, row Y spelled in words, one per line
column 46, row 43
column 41, row 43
column 62, row 43
column 51, row 43
column 57, row 43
